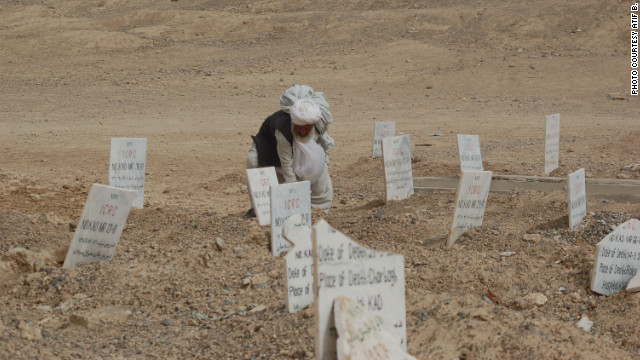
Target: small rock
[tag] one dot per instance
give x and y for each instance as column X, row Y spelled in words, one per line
column 258, row 308
column 29, row 331
column 532, row 300
column 532, row 237
column 616, row 96
column 623, row 176
column 585, row 324
column 166, row 322
column 220, row 244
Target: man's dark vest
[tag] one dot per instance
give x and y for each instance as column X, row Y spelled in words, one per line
column 265, row 141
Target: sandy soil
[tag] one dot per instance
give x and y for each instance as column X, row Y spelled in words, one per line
column 196, row 78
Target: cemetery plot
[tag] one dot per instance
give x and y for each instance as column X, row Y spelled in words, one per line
column 473, row 190
column 469, row 150
column 127, row 166
column 98, row 232
column 617, row 259
column 298, row 263
column 373, row 279
column 382, row 130
column 552, row 143
column 577, row 198
column 397, row 167
column 361, row 334
column 260, row 180
column 287, row 200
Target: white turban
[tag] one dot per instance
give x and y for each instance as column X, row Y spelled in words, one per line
column 305, row 112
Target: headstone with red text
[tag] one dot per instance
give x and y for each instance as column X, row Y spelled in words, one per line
column 382, row 130
column 98, row 231
column 469, row 153
column 286, row 200
column 260, row 180
column 473, row 191
column 127, row 165
column 398, row 174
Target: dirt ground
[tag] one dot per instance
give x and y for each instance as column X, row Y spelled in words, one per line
column 196, row 78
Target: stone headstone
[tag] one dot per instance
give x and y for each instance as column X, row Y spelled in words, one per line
column 382, row 130
column 260, row 179
column 298, row 263
column 398, row 173
column 473, row 190
column 373, row 279
column 98, row 232
column 286, row 200
column 552, row 143
column 361, row 334
column 577, row 198
column 469, row 150
column 617, row 259
column 127, row 166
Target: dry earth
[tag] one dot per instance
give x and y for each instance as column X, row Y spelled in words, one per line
column 196, row 78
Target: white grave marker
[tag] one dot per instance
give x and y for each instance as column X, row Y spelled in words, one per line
column 552, row 143
column 127, row 166
column 473, row 190
column 298, row 263
column 469, row 150
column 398, row 174
column 617, row 259
column 577, row 198
column 382, row 130
column 361, row 334
column 373, row 279
column 98, row 232
column 259, row 180
column 286, row 200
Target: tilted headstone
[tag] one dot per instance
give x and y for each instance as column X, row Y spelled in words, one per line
column 372, row 278
column 473, row 190
column 286, row 200
column 298, row 263
column 398, row 173
column 127, row 166
column 577, row 198
column 469, row 150
column 98, row 231
column 382, row 130
column 552, row 143
column 617, row 259
column 260, row 179
column 361, row 334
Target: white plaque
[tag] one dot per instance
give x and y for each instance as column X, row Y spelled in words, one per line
column 469, row 150
column 552, row 143
column 98, row 232
column 373, row 279
column 577, row 198
column 617, row 259
column 127, row 166
column 286, row 200
column 473, row 190
column 361, row 334
column 382, row 130
column 298, row 263
column 260, row 179
column 398, row 174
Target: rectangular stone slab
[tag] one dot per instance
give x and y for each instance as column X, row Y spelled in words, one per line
column 577, row 198
column 382, row 130
column 298, row 263
column 617, row 259
column 469, row 152
column 287, row 200
column 127, row 165
column 373, row 279
column 259, row 182
column 552, row 143
column 398, row 174
column 471, row 199
column 103, row 217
